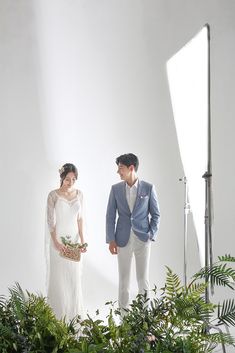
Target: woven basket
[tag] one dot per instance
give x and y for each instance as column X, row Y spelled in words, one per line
column 71, row 253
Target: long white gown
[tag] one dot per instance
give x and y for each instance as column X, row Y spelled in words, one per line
column 64, row 290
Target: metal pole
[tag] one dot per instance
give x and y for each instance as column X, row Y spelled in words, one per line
column 208, row 176
column 186, row 211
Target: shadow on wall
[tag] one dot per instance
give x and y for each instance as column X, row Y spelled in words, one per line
column 23, row 160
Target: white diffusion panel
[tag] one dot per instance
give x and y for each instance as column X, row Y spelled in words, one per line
column 188, row 81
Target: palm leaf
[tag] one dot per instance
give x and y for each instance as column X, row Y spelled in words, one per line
column 17, row 293
column 226, row 312
column 221, row 337
column 220, row 275
column 18, row 302
column 2, row 301
column 227, row 258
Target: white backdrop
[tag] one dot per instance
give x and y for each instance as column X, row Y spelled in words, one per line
column 83, row 82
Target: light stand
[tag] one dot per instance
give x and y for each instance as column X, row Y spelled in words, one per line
column 208, row 191
column 186, row 212
column 208, row 179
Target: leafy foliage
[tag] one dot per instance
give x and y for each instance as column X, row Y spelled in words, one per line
column 219, row 274
column 227, row 258
column 226, row 312
column 176, row 320
column 27, row 324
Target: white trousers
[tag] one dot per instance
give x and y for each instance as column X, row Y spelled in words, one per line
column 141, row 251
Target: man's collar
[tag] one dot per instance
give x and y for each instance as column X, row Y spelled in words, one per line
column 134, row 185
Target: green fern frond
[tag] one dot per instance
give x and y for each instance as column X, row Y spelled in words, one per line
column 173, row 284
column 226, row 312
column 227, row 258
column 2, row 301
column 5, row 332
column 17, row 292
column 220, row 337
column 18, row 302
column 220, row 275
column 193, row 309
column 196, row 289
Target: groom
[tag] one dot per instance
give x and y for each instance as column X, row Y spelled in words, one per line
column 132, row 221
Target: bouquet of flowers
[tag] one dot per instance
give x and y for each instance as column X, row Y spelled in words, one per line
column 72, row 251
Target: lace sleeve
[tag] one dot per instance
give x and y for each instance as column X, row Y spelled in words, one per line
column 51, row 211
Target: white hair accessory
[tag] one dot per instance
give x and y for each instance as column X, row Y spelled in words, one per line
column 61, row 170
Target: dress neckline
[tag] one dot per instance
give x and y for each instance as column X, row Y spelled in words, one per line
column 64, row 198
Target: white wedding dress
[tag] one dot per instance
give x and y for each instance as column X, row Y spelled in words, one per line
column 64, row 290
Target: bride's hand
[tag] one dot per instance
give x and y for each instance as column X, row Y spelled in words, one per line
column 84, row 249
column 60, row 247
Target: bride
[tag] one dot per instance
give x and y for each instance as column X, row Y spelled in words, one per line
column 65, row 220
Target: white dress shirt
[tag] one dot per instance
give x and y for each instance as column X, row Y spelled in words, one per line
column 131, row 193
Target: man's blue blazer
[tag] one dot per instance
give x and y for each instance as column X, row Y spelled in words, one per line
column 144, row 219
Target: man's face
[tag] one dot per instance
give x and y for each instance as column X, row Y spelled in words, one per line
column 124, row 171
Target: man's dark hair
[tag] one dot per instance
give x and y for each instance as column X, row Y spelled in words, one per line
column 128, row 159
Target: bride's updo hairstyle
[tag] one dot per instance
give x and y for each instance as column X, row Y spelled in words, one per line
column 65, row 169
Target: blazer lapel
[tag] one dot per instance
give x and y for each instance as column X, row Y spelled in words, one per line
column 139, row 189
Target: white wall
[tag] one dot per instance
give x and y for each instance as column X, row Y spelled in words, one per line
column 85, row 81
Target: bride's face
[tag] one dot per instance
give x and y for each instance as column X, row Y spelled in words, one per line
column 69, row 180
